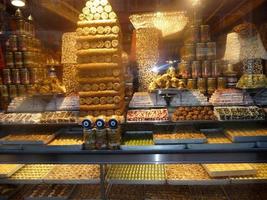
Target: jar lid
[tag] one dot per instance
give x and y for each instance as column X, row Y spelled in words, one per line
column 100, row 123
column 87, row 124
column 113, row 124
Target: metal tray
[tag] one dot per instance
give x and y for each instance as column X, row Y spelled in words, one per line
column 136, row 182
column 247, row 181
column 152, row 147
column 11, row 172
column 247, row 138
column 226, row 146
column 262, row 144
column 72, row 182
column 138, row 132
column 10, row 147
column 181, row 141
column 147, row 122
column 199, row 182
column 30, row 142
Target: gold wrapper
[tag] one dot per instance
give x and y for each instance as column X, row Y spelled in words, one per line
column 69, row 47
column 70, row 78
column 147, row 55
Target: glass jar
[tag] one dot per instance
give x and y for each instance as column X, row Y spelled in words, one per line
column 211, row 51
column 190, row 52
column 194, row 34
column 18, row 60
column 184, row 69
column 196, row 69
column 206, row 69
column 221, row 83
column 201, row 51
column 9, row 59
column 212, row 85
column 205, row 33
column 202, row 85
column 216, row 68
column 192, row 84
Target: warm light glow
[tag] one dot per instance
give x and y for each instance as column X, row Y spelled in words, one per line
column 233, row 48
column 195, row 2
column 18, row 3
column 167, row 22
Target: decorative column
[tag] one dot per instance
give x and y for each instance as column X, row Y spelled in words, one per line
column 147, row 55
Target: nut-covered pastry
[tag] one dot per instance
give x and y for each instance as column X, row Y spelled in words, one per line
column 179, row 135
column 239, row 113
column 74, row 172
column 99, row 59
column 136, row 172
column 50, row 85
column 193, row 113
column 186, row 172
column 59, row 117
column 147, row 115
column 6, row 170
column 67, row 140
column 32, row 172
column 167, row 81
column 28, row 138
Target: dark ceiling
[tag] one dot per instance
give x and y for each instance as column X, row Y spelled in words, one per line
column 220, row 14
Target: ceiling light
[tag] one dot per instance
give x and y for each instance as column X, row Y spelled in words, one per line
column 195, row 2
column 18, row 3
column 168, row 22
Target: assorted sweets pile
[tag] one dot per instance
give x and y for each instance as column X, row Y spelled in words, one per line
column 217, row 138
column 167, row 81
column 59, row 117
column 147, row 115
column 47, row 86
column 20, row 118
column 37, row 118
column 99, row 57
column 27, row 138
column 74, row 172
column 138, row 141
column 65, row 140
column 186, row 172
column 230, row 97
column 193, row 113
column 179, row 135
column 136, row 172
column 251, row 133
column 239, row 113
column 252, row 81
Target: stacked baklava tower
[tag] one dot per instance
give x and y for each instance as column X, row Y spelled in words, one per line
column 100, row 69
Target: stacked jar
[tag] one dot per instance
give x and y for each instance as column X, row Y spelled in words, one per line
column 23, row 57
column 200, row 58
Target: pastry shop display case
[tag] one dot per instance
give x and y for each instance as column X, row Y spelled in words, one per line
column 105, row 99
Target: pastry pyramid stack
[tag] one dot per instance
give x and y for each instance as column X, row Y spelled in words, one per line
column 100, row 69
